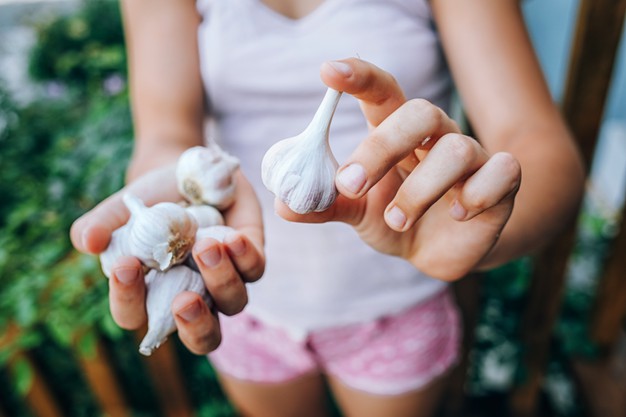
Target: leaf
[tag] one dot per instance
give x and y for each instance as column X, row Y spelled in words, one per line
column 23, row 375
column 87, row 344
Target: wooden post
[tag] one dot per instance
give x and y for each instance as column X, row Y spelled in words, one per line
column 168, row 381
column 99, row 373
column 598, row 32
column 38, row 397
column 544, row 303
column 467, row 295
column 594, row 51
column 610, row 304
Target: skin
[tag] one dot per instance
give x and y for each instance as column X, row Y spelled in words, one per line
column 449, row 205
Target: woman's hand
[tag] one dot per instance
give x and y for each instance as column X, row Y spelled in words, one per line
column 416, row 187
column 225, row 266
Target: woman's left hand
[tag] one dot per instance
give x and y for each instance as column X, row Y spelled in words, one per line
column 416, row 187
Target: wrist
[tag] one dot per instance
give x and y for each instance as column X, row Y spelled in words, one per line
column 147, row 158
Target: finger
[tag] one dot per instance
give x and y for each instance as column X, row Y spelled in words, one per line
column 453, row 158
column 220, row 276
column 496, row 181
column 378, row 91
column 91, row 232
column 198, row 327
column 245, row 213
column 393, row 141
column 342, row 210
column 247, row 259
column 127, row 294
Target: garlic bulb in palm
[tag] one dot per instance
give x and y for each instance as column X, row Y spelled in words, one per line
column 118, row 247
column 162, row 288
column 300, row 170
column 160, row 236
column 205, row 176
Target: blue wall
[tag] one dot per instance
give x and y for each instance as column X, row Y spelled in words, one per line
column 551, row 25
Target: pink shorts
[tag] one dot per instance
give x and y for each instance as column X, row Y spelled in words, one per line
column 392, row 355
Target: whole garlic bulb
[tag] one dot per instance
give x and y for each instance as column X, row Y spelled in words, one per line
column 162, row 288
column 118, row 247
column 205, row 176
column 160, row 236
column 300, row 170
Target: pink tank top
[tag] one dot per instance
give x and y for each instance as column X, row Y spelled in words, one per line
column 261, row 74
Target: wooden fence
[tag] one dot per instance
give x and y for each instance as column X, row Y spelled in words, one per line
column 598, row 32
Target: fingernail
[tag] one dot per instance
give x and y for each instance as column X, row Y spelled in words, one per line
column 127, row 276
column 396, row 218
column 457, row 211
column 341, row 67
column 191, row 312
column 237, row 247
column 211, row 257
column 352, row 178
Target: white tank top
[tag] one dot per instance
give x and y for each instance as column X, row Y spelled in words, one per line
column 261, row 74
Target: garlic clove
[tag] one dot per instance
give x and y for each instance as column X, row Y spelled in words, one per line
column 118, row 247
column 300, row 170
column 205, row 175
column 160, row 236
column 162, row 288
column 206, row 215
column 218, row 232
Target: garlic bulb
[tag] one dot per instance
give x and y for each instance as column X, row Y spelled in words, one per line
column 162, row 288
column 118, row 247
column 206, row 215
column 205, row 176
column 300, row 170
column 217, row 232
column 160, row 236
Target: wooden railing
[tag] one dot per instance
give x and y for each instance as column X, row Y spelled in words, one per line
column 598, row 33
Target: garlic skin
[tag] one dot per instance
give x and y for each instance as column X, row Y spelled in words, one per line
column 217, row 232
column 300, row 170
column 206, row 215
column 204, row 175
column 162, row 288
column 160, row 236
column 118, row 247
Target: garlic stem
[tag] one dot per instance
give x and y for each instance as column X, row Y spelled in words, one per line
column 320, row 124
column 300, row 171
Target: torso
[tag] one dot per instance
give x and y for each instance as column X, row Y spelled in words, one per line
column 293, row 9
column 260, row 67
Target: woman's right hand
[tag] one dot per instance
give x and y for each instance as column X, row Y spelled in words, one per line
column 225, row 267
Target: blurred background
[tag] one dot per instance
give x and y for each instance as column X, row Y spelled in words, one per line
column 65, row 140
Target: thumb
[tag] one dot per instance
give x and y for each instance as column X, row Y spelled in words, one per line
column 91, row 232
column 342, row 210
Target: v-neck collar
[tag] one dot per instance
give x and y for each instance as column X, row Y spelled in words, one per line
column 312, row 18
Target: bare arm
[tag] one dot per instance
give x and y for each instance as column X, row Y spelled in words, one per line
column 511, row 110
column 166, row 88
column 451, row 204
column 167, row 105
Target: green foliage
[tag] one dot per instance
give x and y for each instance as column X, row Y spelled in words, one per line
column 60, row 156
column 64, row 152
column 81, row 50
